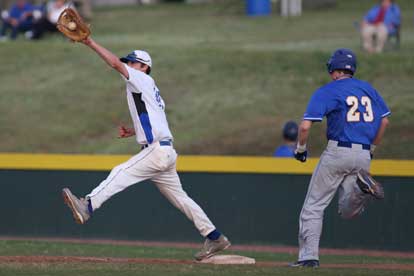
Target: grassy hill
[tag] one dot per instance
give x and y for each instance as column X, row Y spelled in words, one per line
column 229, row 81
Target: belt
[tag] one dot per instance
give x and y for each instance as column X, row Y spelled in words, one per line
column 349, row 145
column 162, row 143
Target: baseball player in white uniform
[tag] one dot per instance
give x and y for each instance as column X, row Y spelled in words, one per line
column 156, row 160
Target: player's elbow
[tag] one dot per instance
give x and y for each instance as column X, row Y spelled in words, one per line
column 114, row 62
column 118, row 67
column 114, row 65
column 385, row 121
column 305, row 126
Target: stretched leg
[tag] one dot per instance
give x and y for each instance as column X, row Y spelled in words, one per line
column 135, row 170
column 352, row 200
column 170, row 186
column 323, row 185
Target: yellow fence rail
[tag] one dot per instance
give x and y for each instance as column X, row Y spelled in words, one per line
column 190, row 163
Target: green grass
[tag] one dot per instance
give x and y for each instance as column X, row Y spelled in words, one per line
column 229, row 81
column 33, row 248
column 158, row 270
column 27, row 248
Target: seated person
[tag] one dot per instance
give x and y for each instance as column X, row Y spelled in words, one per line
column 17, row 19
column 290, row 135
column 47, row 22
column 85, row 8
column 380, row 21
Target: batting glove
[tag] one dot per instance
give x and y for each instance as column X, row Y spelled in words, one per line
column 301, row 156
column 371, row 152
column 301, row 153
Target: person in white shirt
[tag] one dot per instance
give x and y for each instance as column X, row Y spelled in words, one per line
column 47, row 23
column 157, row 159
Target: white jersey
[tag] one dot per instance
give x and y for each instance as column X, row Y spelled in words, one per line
column 146, row 107
column 53, row 12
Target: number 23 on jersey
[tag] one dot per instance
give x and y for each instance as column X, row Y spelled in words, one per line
column 354, row 115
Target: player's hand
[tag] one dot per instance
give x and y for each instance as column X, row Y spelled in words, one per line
column 125, row 132
column 14, row 22
column 87, row 41
column 301, row 156
column 371, row 151
column 25, row 15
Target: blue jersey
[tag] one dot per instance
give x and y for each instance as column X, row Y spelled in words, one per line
column 353, row 108
column 16, row 12
column 285, row 151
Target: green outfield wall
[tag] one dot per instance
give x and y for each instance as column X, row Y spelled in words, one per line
column 249, row 206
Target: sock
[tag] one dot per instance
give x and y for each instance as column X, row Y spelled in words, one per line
column 90, row 209
column 214, row 235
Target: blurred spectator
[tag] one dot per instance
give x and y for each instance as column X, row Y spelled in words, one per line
column 17, row 19
column 290, row 135
column 4, row 4
column 85, row 8
column 47, row 23
column 381, row 21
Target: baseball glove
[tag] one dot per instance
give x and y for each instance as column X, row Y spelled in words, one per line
column 71, row 24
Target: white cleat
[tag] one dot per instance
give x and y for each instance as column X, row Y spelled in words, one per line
column 212, row 247
column 79, row 207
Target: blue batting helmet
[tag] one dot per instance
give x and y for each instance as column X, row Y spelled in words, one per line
column 290, row 131
column 342, row 59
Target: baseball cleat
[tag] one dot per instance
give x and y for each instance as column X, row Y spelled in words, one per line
column 212, row 247
column 79, row 207
column 307, row 263
column 369, row 186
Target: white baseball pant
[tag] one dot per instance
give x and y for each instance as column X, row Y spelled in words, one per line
column 157, row 163
column 368, row 31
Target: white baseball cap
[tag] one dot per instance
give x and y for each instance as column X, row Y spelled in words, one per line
column 138, row 56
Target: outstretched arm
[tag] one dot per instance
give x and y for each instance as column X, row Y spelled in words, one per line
column 107, row 56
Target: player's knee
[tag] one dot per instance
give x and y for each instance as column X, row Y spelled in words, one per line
column 116, row 170
column 348, row 214
column 345, row 215
column 309, row 213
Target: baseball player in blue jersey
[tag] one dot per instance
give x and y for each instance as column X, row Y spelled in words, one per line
column 356, row 121
column 157, row 159
column 290, row 136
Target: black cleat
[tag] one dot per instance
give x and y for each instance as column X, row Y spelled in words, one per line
column 369, row 186
column 307, row 263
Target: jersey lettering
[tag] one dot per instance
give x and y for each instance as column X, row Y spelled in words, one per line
column 158, row 99
column 368, row 114
column 353, row 115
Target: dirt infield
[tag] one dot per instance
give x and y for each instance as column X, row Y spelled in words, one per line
column 75, row 259
column 272, row 249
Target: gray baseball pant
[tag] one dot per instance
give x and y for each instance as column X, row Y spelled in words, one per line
column 337, row 170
